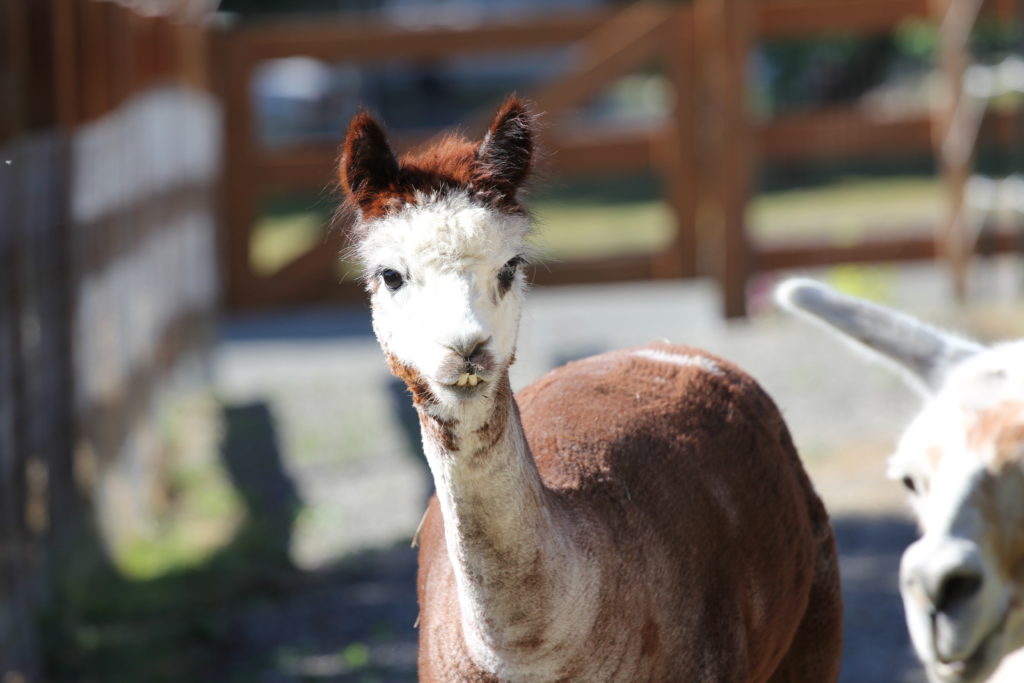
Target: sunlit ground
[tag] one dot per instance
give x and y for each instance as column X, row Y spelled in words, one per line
column 314, row 591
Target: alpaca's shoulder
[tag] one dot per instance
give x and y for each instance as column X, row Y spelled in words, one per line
column 644, row 407
column 656, row 379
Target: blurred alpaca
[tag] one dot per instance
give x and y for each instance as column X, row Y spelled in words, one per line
column 962, row 462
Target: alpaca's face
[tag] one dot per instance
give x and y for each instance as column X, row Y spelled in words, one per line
column 963, row 461
column 443, row 241
column 446, row 282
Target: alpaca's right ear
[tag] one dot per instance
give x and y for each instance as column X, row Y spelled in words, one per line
column 924, row 354
column 368, row 164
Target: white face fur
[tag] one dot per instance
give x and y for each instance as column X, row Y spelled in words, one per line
column 961, row 460
column 445, row 273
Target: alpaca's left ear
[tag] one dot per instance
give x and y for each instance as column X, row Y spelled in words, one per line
column 506, row 153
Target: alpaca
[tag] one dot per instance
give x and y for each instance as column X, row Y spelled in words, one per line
column 641, row 515
column 962, row 463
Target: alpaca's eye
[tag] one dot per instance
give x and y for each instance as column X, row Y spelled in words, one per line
column 392, row 279
column 908, row 483
column 508, row 271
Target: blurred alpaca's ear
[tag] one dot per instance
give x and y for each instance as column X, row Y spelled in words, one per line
column 505, row 155
column 368, row 164
column 923, row 354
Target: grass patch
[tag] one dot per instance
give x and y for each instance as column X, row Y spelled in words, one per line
column 277, row 240
column 603, row 217
column 573, row 231
column 847, row 211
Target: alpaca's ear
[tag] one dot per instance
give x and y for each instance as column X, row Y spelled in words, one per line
column 925, row 355
column 368, row 164
column 505, row 155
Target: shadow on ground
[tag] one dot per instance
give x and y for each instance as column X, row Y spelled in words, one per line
column 248, row 615
column 876, row 645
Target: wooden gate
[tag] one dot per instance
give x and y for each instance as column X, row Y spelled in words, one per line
column 107, row 265
column 706, row 151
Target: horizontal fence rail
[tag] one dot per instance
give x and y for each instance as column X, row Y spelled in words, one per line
column 701, row 45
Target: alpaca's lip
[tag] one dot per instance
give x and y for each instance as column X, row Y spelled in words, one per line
column 465, row 380
column 968, row 667
column 466, row 384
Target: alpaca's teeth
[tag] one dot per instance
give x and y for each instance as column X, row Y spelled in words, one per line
column 463, row 379
column 473, row 379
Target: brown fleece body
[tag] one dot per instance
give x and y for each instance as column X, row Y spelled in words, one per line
column 690, row 481
column 636, row 516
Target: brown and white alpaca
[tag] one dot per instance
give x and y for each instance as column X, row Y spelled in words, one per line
column 962, row 462
column 637, row 516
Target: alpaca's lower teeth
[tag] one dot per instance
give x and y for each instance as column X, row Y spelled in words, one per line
column 466, row 379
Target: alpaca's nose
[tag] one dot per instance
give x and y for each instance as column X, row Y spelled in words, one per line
column 947, row 575
column 470, row 347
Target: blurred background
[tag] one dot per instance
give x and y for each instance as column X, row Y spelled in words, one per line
column 206, row 472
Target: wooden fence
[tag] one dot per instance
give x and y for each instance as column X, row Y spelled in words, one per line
column 706, row 151
column 109, row 151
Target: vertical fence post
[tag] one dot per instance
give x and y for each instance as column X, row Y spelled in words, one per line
column 954, row 131
column 232, row 80
column 724, row 32
column 678, row 159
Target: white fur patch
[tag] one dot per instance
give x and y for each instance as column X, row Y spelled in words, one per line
column 448, row 231
column 688, row 360
column 449, row 251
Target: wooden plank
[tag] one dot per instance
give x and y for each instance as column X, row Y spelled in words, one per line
column 844, row 132
column 239, row 187
column 309, row 277
column 594, row 150
column 821, row 134
column 93, row 68
column 347, row 40
column 622, row 268
column 624, row 42
column 676, row 156
column 313, row 167
column 905, row 247
column 841, row 132
column 12, row 67
column 65, row 47
column 724, row 30
column 782, row 19
column 955, row 133
column 810, row 255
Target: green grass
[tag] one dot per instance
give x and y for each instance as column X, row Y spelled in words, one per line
column 848, row 210
column 604, row 221
column 278, row 239
column 570, row 231
column 206, row 514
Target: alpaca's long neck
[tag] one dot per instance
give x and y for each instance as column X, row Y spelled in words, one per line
column 516, row 566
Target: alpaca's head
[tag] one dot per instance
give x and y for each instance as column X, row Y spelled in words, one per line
column 442, row 238
column 962, row 463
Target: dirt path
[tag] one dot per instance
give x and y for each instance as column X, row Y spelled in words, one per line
column 348, row 444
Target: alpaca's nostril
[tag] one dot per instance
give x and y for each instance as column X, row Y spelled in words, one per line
column 957, row 589
column 468, row 348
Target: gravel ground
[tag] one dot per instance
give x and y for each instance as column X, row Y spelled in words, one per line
column 347, row 443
